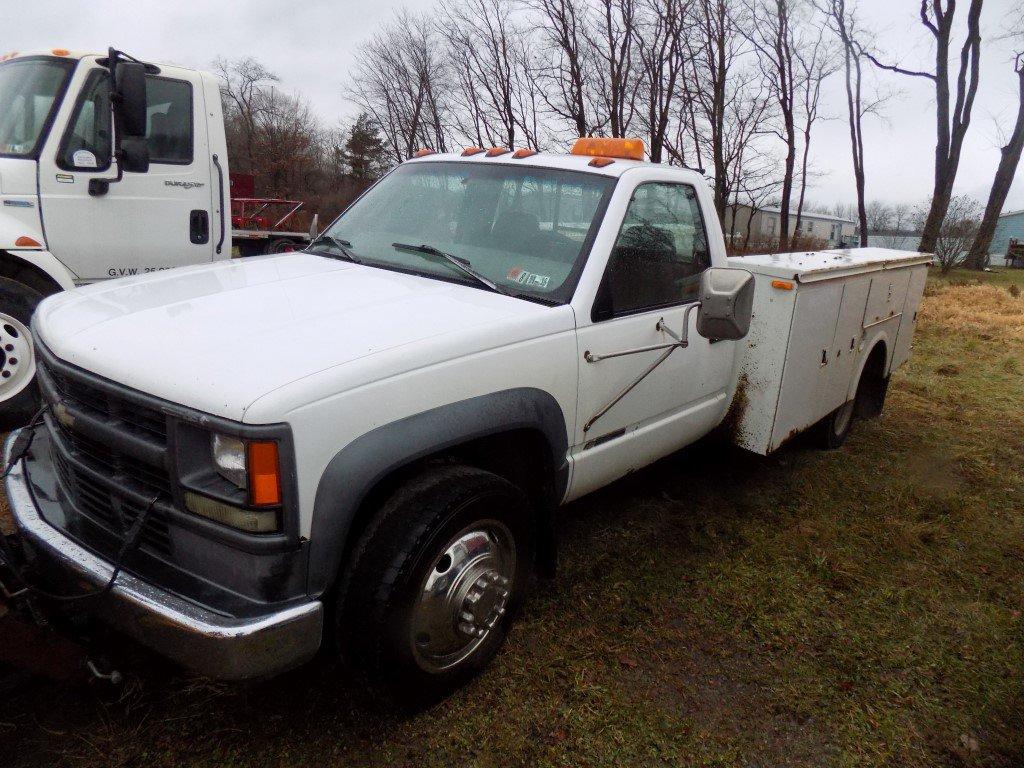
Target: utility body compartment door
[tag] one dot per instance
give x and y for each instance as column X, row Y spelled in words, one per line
column 846, row 347
column 147, row 221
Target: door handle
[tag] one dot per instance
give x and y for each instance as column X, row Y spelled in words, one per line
column 199, row 227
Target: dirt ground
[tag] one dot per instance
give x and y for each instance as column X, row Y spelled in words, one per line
column 849, row 608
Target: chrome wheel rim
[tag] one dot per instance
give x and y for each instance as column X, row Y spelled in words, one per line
column 464, row 595
column 17, row 358
column 843, row 417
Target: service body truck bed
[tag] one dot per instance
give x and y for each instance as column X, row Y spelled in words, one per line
column 816, row 316
column 375, row 434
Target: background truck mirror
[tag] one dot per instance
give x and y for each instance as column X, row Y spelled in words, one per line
column 129, row 98
column 726, row 301
column 134, row 154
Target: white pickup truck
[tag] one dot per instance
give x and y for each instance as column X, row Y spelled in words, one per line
column 361, row 447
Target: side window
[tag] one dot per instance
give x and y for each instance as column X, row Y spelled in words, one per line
column 169, row 121
column 87, row 144
column 659, row 254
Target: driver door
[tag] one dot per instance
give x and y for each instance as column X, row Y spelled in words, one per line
column 652, row 277
column 147, row 221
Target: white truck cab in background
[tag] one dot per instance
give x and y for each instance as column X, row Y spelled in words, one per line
column 74, row 210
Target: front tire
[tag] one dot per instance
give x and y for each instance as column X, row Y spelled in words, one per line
column 19, row 395
column 434, row 584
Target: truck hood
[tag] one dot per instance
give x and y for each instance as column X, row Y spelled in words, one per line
column 217, row 337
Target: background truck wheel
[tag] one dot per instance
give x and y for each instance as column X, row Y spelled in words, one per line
column 281, row 245
column 19, row 396
column 434, row 584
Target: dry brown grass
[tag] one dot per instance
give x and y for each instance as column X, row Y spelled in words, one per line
column 984, row 310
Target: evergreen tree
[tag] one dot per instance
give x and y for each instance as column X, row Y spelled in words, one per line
column 364, row 150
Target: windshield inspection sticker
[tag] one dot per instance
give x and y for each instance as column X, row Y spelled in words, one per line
column 521, row 276
column 83, row 158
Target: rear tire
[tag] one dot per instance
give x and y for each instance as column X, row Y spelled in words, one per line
column 19, row 394
column 836, row 427
column 434, row 583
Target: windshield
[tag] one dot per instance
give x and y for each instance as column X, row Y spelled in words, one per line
column 29, row 92
column 526, row 229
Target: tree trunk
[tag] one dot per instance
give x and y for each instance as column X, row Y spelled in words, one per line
column 1008, row 161
column 952, row 129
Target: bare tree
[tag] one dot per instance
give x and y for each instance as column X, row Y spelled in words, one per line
column 487, row 51
column 563, row 71
column 399, row 79
column 768, row 27
column 938, row 16
column 715, row 57
column 843, row 22
column 959, row 229
column 244, row 85
column 662, row 55
column 1008, row 161
column 612, row 41
column 816, row 62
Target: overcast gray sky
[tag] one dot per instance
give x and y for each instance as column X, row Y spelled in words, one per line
column 309, row 44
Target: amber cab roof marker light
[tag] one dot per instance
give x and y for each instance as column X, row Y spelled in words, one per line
column 470, row 151
column 423, row 152
column 497, row 151
column 597, row 146
column 27, row 242
column 600, row 162
column 519, row 154
column 60, row 52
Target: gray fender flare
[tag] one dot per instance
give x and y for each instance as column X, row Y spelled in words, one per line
column 368, row 459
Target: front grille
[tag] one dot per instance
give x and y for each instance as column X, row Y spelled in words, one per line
column 82, row 395
column 109, row 451
column 116, row 463
column 109, row 511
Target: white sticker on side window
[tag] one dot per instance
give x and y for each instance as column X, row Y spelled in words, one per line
column 83, row 158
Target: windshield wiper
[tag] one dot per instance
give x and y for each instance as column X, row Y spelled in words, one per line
column 461, row 264
column 342, row 245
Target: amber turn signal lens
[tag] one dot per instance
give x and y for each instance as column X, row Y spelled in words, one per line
column 782, row 285
column 27, row 242
column 264, row 474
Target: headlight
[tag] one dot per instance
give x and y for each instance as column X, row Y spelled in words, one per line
column 229, row 458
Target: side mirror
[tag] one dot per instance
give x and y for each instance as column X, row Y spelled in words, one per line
column 134, row 154
column 726, row 303
column 129, row 98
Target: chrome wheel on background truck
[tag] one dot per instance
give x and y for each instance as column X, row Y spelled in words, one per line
column 19, row 397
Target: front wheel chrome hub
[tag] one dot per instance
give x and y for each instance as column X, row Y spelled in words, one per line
column 464, row 595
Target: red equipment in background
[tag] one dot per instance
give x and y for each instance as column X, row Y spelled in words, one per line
column 260, row 224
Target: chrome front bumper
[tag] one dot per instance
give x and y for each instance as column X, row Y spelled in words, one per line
column 203, row 641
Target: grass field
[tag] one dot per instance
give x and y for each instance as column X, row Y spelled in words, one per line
column 857, row 607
